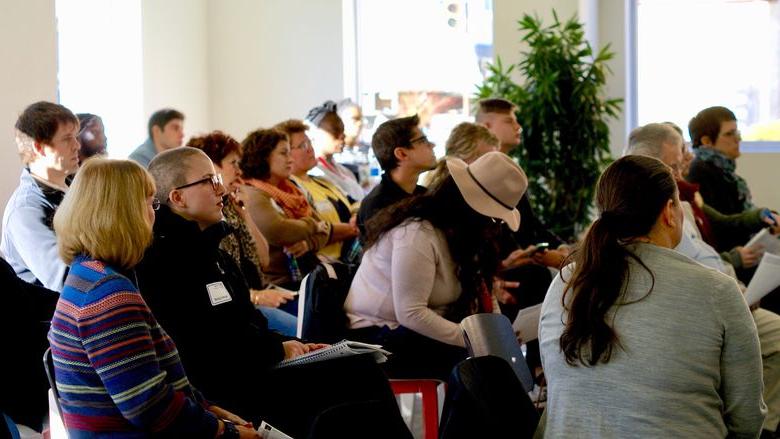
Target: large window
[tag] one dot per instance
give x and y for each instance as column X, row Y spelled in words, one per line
column 421, row 57
column 100, row 66
column 698, row 53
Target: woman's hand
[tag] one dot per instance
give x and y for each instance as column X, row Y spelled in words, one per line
column 750, row 257
column 550, row 258
column 501, row 293
column 225, row 415
column 270, row 298
column 519, row 258
column 773, row 220
column 294, row 348
column 298, row 249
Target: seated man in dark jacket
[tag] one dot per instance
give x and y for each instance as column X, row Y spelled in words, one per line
column 200, row 297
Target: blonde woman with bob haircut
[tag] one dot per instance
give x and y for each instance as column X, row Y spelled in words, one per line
column 468, row 141
column 117, row 371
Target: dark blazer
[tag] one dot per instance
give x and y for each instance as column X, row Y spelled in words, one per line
column 226, row 348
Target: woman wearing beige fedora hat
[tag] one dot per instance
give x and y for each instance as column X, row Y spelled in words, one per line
column 430, row 262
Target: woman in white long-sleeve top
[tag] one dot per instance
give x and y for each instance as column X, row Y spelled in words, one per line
column 430, row 262
column 640, row 341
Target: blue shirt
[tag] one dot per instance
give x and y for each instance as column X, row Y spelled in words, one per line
column 28, row 243
column 144, row 153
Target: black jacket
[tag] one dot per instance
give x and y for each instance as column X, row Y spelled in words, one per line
column 24, row 320
column 225, row 348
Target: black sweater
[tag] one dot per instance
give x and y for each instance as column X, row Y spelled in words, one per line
column 226, row 347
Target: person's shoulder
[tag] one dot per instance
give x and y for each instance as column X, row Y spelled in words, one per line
column 682, row 271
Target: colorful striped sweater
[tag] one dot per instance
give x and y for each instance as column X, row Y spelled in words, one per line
column 117, row 371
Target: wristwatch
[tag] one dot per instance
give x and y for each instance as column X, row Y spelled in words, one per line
column 230, row 432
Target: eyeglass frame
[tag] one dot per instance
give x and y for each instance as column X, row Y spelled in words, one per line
column 216, row 182
column 156, row 204
column 422, row 138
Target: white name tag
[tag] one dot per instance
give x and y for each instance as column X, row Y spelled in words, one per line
column 218, row 294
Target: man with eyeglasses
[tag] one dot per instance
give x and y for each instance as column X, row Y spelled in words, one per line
column 47, row 140
column 404, row 153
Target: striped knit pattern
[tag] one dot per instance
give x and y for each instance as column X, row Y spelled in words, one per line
column 117, row 371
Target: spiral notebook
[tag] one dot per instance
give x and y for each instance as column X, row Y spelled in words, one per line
column 344, row 348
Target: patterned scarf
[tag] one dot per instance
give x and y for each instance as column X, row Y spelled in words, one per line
column 728, row 166
column 286, row 195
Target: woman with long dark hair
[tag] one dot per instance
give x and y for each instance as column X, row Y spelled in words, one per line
column 638, row 340
column 430, row 262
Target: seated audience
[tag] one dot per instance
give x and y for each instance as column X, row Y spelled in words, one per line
column 430, row 262
column 198, row 294
column 663, row 142
column 117, row 371
column 92, row 136
column 245, row 244
column 404, row 153
column 279, row 209
column 330, row 202
column 26, row 312
column 621, row 354
column 166, row 131
column 329, row 140
column 46, row 135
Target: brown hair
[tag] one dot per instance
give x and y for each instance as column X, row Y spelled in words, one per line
column 39, row 123
column 462, row 143
column 630, row 195
column 258, row 147
column 217, row 145
column 291, row 126
column 103, row 214
column 707, row 123
column 493, row 105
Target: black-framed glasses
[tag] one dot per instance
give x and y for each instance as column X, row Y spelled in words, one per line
column 215, row 180
column 155, row 204
column 422, row 138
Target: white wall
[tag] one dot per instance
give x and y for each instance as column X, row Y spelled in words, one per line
column 272, row 60
column 760, row 172
column 175, row 54
column 28, row 48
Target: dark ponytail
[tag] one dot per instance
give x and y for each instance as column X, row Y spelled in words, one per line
column 630, row 196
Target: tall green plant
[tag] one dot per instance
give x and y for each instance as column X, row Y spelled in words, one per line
column 563, row 111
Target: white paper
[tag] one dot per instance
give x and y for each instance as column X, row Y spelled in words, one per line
column 765, row 280
column 526, row 323
column 267, row 431
column 764, row 239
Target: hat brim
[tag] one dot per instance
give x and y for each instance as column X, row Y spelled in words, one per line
column 478, row 199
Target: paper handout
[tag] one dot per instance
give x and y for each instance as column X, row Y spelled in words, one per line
column 766, row 278
column 526, row 323
column 768, row 242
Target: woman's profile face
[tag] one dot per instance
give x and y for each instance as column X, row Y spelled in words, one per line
column 230, row 171
column 280, row 162
column 150, row 202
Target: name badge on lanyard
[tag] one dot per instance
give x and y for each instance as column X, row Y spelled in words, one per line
column 218, row 294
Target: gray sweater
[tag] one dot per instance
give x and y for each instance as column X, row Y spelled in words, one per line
column 689, row 365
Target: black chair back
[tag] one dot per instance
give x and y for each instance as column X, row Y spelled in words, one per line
column 485, row 399
column 48, row 366
column 321, row 315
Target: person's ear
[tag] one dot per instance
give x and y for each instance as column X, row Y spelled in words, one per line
column 177, row 199
column 400, row 153
column 670, row 214
column 705, row 140
column 39, row 148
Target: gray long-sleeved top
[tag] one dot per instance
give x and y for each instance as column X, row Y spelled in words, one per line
column 689, row 365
